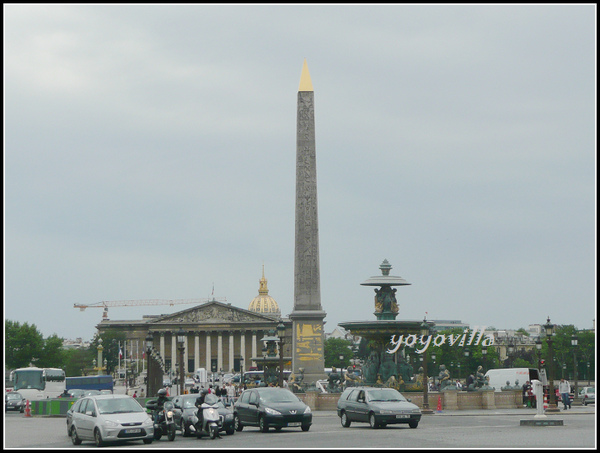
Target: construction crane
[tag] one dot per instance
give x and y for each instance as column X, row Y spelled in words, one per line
column 134, row 303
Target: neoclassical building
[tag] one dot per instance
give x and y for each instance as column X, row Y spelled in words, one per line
column 218, row 334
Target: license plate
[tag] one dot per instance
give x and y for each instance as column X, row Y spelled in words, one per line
column 133, row 431
column 294, row 424
column 402, row 416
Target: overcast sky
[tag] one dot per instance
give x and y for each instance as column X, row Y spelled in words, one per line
column 150, row 153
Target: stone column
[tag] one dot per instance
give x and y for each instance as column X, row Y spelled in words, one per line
column 174, row 355
column 208, row 352
column 196, row 351
column 231, row 350
column 253, row 347
column 220, row 351
column 243, row 345
column 162, row 345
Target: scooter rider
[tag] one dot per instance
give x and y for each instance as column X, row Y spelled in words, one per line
column 199, row 403
column 160, row 401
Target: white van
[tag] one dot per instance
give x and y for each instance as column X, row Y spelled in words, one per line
column 499, row 376
column 201, row 376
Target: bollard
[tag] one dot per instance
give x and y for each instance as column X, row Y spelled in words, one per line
column 538, row 390
column 439, row 406
column 27, row 409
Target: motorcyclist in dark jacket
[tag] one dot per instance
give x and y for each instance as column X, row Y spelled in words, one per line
column 160, row 401
column 199, row 402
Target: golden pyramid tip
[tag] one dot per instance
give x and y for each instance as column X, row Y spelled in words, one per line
column 305, row 82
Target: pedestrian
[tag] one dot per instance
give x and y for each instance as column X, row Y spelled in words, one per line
column 142, row 393
column 564, row 388
column 135, row 394
column 230, row 393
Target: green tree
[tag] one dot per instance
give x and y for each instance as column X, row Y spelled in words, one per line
column 23, row 344
column 338, row 353
column 53, row 355
column 79, row 361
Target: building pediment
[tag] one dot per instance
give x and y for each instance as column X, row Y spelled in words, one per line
column 213, row 312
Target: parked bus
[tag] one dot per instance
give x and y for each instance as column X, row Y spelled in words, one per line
column 255, row 378
column 102, row 382
column 38, row 383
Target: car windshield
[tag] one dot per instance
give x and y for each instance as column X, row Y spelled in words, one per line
column 385, row 395
column 278, row 396
column 118, row 406
column 14, row 396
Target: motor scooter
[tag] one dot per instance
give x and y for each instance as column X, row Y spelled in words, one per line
column 164, row 423
column 211, row 420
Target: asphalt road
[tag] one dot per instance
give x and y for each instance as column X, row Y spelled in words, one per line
column 455, row 429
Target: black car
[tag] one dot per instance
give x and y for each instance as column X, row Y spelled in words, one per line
column 377, row 406
column 14, row 401
column 185, row 408
column 274, row 407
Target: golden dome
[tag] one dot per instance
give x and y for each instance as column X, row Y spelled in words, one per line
column 263, row 303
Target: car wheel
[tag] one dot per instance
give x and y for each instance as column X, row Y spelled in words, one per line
column 262, row 424
column 413, row 424
column 373, row 421
column 148, row 441
column 237, row 423
column 98, row 438
column 74, row 437
column 305, row 427
column 344, row 420
column 229, row 431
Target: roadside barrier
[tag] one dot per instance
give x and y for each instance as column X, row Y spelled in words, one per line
column 27, row 409
column 439, row 406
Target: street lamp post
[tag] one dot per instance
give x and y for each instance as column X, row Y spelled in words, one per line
column 281, row 334
column 483, row 355
column 574, row 341
column 552, row 395
column 181, row 346
column 510, row 352
column 425, row 334
column 149, row 345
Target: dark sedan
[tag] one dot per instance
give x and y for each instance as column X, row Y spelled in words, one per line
column 185, row 408
column 274, row 407
column 377, row 406
column 14, row 401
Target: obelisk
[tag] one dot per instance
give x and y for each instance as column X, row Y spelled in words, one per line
column 307, row 316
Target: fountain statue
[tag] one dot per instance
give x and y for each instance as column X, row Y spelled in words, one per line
column 383, row 367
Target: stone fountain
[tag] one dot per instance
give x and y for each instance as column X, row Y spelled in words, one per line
column 383, row 368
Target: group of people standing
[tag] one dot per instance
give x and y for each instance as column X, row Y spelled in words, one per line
column 228, row 393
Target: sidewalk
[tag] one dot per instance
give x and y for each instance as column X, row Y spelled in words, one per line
column 523, row 412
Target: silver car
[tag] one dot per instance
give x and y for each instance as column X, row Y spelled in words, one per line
column 377, row 406
column 108, row 418
column 588, row 395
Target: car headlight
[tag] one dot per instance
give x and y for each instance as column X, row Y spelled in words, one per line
column 229, row 417
column 386, row 412
column 270, row 411
column 307, row 410
column 416, row 411
column 111, row 424
column 148, row 422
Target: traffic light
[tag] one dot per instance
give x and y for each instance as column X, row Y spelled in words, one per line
column 542, row 362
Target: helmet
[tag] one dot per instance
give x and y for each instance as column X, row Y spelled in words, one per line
column 162, row 392
column 204, row 392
